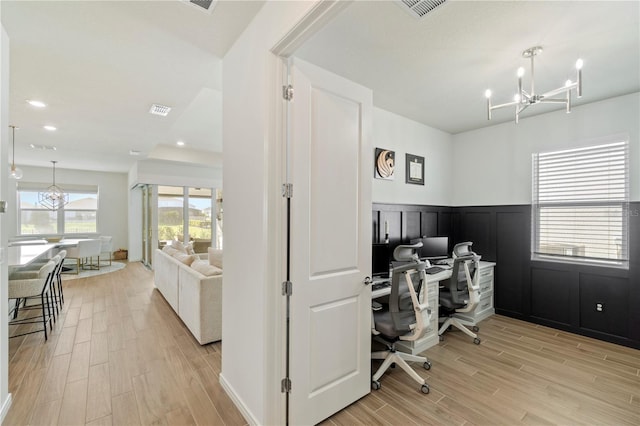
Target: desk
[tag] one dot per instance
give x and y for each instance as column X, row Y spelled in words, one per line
column 431, row 338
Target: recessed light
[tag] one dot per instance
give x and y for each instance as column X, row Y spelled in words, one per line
column 43, row 147
column 37, row 104
column 180, row 143
column 157, row 109
column 50, row 128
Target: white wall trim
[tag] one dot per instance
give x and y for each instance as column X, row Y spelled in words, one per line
column 5, row 407
column 244, row 410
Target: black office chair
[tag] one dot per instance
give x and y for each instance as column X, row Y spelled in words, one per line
column 461, row 292
column 402, row 321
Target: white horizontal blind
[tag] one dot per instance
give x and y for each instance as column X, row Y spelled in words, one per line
column 580, row 199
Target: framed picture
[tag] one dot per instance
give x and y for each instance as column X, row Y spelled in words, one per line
column 385, row 161
column 415, row 169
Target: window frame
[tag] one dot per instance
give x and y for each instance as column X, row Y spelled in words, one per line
column 60, row 221
column 620, row 204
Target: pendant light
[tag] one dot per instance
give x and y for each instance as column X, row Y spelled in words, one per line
column 15, row 172
column 54, row 197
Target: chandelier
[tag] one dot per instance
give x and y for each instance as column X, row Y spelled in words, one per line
column 54, row 197
column 523, row 99
column 15, row 172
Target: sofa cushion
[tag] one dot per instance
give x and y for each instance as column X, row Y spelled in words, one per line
column 185, row 258
column 215, row 257
column 205, row 269
column 170, row 250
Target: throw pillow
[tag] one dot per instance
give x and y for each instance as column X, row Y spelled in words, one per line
column 215, row 257
column 205, row 269
column 189, row 248
column 178, row 246
column 185, row 258
column 170, row 250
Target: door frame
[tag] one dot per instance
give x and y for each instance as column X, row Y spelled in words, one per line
column 317, row 17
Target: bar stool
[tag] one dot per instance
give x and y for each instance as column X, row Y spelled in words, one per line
column 31, row 288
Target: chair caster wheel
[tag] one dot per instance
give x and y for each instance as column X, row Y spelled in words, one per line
column 475, row 328
column 424, row 388
column 476, row 341
column 441, row 338
column 393, row 365
column 427, row 365
column 375, row 385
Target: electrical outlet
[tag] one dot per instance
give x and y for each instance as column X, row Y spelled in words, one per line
column 599, row 307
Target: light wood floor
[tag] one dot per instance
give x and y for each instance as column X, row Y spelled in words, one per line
column 119, row 356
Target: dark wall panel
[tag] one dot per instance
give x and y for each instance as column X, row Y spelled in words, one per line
column 612, row 294
column 477, row 227
column 511, row 271
column 551, row 295
column 411, row 225
column 430, row 224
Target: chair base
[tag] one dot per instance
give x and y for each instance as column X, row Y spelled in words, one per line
column 391, row 356
column 461, row 325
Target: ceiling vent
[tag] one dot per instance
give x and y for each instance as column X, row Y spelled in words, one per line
column 157, row 109
column 206, row 6
column 419, row 8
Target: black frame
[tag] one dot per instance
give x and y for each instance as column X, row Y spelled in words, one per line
column 417, row 159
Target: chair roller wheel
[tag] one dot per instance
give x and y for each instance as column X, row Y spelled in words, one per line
column 475, row 328
column 424, row 388
column 375, row 385
column 427, row 365
column 476, row 341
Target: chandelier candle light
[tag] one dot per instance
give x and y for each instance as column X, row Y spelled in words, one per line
column 14, row 173
column 54, row 197
column 522, row 100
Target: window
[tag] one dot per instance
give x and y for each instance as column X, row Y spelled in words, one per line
column 187, row 211
column 580, row 204
column 79, row 216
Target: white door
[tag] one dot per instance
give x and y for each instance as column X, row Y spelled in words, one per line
column 331, row 163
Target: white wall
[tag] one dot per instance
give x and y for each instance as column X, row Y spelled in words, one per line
column 112, row 198
column 495, row 162
column 405, row 136
column 5, row 397
column 250, row 330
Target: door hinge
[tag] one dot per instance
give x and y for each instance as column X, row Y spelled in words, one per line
column 287, row 92
column 285, row 385
column 287, row 190
column 287, row 288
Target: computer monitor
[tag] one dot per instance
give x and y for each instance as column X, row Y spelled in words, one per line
column 433, row 247
column 380, row 258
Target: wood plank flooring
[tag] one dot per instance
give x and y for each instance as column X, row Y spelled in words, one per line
column 118, row 355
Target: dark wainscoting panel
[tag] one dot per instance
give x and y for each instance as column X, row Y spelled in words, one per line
column 411, row 225
column 512, row 271
column 551, row 295
column 612, row 294
column 555, row 294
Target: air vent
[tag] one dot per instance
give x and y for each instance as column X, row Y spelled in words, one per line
column 159, row 110
column 419, row 8
column 206, row 6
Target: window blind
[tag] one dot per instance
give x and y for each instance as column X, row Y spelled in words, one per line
column 580, row 202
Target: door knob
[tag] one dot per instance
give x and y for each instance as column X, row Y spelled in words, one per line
column 367, row 280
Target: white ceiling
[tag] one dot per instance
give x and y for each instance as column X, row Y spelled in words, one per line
column 100, row 65
column 435, row 70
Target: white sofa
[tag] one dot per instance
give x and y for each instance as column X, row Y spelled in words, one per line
column 196, row 298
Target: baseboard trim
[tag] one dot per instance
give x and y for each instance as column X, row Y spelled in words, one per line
column 5, row 407
column 244, row 410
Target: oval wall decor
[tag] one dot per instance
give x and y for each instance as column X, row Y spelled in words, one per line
column 385, row 163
